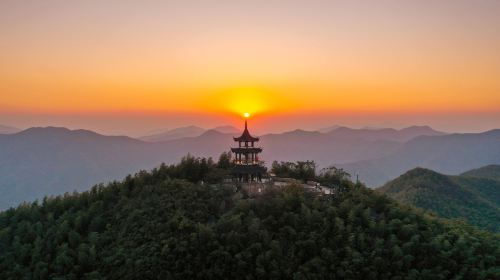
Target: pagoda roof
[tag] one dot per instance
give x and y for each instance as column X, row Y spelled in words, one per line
column 246, row 137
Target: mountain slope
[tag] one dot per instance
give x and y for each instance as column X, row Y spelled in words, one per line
column 449, row 154
column 152, row 227
column 476, row 200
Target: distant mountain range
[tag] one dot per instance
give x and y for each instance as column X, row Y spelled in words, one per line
column 46, row 161
column 187, row 131
column 387, row 134
column 473, row 196
column 449, row 154
column 8, row 129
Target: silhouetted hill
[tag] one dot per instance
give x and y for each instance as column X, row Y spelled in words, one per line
column 8, row 129
column 155, row 226
column 449, row 154
column 474, row 199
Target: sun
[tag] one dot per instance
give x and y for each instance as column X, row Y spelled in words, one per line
column 237, row 101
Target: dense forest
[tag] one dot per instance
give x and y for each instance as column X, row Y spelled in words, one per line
column 179, row 222
column 473, row 196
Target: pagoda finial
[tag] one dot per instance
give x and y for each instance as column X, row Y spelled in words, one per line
column 246, row 115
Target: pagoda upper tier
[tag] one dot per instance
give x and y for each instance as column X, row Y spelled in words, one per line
column 246, row 137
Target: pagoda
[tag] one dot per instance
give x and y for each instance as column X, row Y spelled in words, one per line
column 247, row 167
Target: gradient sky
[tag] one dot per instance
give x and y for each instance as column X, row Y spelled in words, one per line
column 130, row 67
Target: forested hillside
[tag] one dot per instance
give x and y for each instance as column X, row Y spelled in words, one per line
column 165, row 224
column 472, row 196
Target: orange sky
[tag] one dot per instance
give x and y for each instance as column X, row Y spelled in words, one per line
column 358, row 59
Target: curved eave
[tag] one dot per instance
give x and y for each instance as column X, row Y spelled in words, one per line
column 245, row 138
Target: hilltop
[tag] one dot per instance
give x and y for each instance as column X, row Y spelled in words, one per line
column 164, row 225
column 473, row 198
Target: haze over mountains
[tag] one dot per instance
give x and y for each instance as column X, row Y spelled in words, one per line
column 46, row 161
column 449, row 154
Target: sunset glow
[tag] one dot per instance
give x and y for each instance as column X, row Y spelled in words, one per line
column 320, row 58
column 249, row 139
